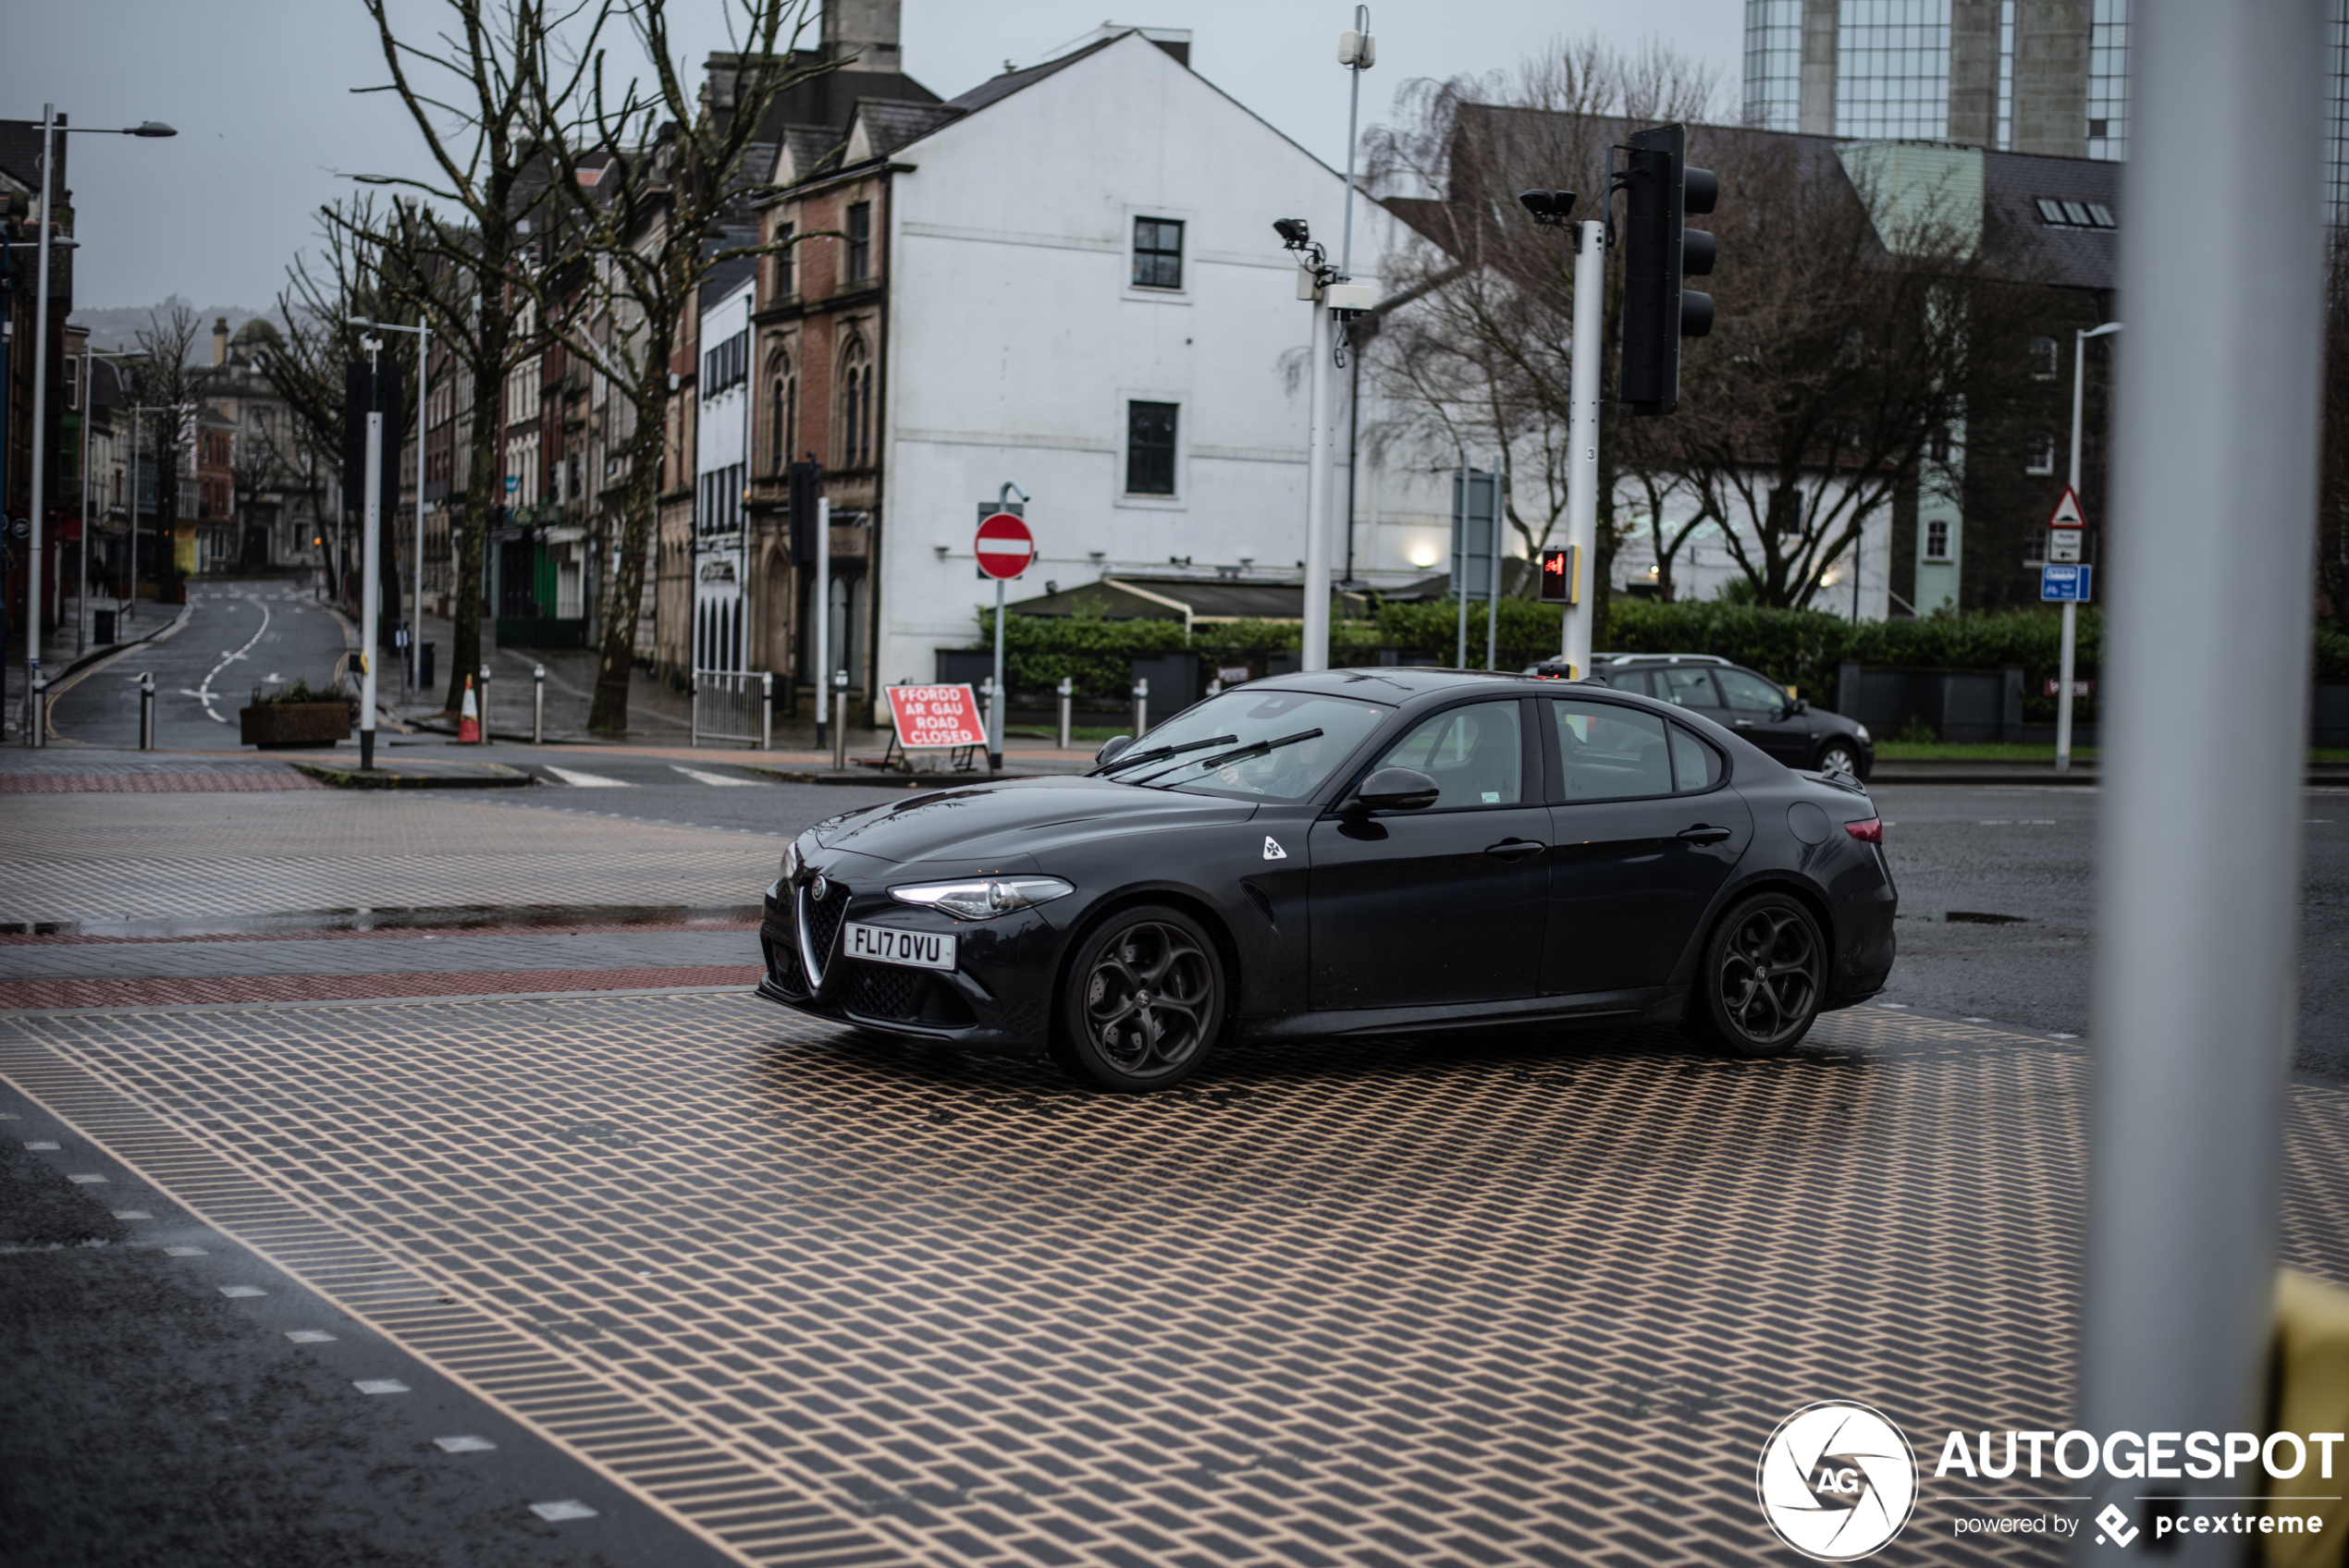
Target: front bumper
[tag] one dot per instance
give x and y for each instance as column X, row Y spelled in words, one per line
column 998, row 995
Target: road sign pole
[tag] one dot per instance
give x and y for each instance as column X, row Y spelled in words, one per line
column 371, row 575
column 995, row 704
column 2194, row 995
column 2063, row 687
column 820, row 654
column 1583, row 445
column 1314, row 653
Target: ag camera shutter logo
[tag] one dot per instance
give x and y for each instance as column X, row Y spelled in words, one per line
column 1837, row 1481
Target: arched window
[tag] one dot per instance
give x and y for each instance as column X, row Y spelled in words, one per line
column 782, row 413
column 855, row 406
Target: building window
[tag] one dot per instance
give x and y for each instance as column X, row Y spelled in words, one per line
column 860, row 241
column 856, row 407
column 2043, row 359
column 1938, row 445
column 1149, row 448
column 1157, row 254
column 782, row 414
column 2040, row 455
column 786, row 272
column 726, row 367
column 1937, row 540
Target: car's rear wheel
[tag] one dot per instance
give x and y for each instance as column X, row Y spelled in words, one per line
column 1143, row 1001
column 1763, row 976
column 1840, row 756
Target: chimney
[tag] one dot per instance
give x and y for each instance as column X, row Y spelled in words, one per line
column 220, row 340
column 866, row 29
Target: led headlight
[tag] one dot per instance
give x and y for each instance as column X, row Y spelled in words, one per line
column 791, row 861
column 984, row 898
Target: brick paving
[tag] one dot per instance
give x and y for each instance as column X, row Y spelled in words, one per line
column 127, row 783
column 374, row 952
column 241, row 989
column 828, row 1297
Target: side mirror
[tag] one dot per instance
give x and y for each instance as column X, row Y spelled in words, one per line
column 1397, row 789
column 1112, row 749
column 1799, row 704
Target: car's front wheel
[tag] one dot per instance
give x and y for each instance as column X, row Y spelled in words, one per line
column 1143, row 1001
column 1763, row 976
column 1840, row 756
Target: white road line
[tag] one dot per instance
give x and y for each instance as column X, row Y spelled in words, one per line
column 698, row 776
column 587, row 780
column 204, row 693
column 463, row 1445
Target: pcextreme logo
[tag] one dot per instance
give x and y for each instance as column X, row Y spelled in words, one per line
column 1837, row 1481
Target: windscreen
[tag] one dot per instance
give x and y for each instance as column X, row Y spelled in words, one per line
column 1253, row 744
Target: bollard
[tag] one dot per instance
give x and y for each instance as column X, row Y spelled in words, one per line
column 147, row 711
column 987, row 719
column 840, row 721
column 40, row 736
column 767, row 712
column 1142, row 706
column 1067, row 690
column 538, row 705
column 484, row 705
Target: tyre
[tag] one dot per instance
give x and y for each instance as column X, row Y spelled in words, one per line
column 1763, row 976
column 1840, row 756
column 1143, row 1001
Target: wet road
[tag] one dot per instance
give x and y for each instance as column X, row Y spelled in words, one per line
column 238, row 635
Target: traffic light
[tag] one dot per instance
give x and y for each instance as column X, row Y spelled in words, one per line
column 1557, row 577
column 1658, row 252
column 807, row 489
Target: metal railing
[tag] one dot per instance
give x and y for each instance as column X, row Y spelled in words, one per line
column 736, row 705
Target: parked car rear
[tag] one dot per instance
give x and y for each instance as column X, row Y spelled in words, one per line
column 1785, row 726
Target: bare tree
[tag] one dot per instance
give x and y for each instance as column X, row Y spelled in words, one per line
column 2332, row 517
column 1480, row 366
column 667, row 193
column 170, row 379
column 477, row 106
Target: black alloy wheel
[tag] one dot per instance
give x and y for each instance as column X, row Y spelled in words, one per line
column 1144, row 1001
column 1764, row 976
column 1840, row 756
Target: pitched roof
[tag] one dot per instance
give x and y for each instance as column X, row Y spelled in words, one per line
column 891, row 125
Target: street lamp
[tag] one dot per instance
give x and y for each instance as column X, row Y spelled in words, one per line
column 50, row 131
column 423, row 395
column 2071, row 608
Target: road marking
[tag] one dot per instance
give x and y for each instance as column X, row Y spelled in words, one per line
column 185, row 1252
column 556, row 1513
column 1973, row 1020
column 463, row 1445
column 243, row 1293
column 587, row 780
column 698, row 776
column 132, row 1214
column 380, row 1386
column 309, row 1336
column 41, row 1146
column 86, row 1179
column 204, row 693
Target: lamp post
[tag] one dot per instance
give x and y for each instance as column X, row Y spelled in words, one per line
column 50, row 131
column 423, row 390
column 2070, row 609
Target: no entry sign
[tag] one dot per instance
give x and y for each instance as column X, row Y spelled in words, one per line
column 1005, row 546
column 936, row 716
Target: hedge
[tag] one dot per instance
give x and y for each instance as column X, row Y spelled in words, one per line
column 1798, row 648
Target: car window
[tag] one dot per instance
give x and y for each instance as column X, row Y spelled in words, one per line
column 1695, row 765
column 1474, row 755
column 1633, row 681
column 1686, row 687
column 1747, row 693
column 1610, row 753
column 1249, row 717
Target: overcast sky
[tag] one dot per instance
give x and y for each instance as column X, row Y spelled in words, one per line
column 260, row 92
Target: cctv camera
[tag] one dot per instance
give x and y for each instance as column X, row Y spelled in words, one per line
column 1292, row 231
column 1547, row 206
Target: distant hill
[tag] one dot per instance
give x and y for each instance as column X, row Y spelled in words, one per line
column 118, row 327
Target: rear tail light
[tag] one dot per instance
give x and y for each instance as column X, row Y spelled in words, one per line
column 1868, row 830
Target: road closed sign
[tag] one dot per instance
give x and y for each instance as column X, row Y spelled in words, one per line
column 936, row 716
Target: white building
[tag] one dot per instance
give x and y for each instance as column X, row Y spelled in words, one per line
column 721, row 468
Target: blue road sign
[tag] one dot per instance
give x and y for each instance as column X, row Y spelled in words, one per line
column 2064, row 585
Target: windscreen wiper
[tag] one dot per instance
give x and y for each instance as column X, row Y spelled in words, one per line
column 1158, row 754
column 1257, row 748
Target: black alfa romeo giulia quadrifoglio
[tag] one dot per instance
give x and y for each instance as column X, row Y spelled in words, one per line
column 1365, row 851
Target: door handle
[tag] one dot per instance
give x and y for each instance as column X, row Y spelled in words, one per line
column 1742, row 723
column 1702, row 834
column 1515, row 849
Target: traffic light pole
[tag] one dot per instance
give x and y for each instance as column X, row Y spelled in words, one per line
column 1315, row 651
column 2198, row 925
column 371, row 573
column 1583, row 475
column 820, row 657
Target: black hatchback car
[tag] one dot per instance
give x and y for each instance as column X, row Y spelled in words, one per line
column 1788, row 727
column 1365, row 851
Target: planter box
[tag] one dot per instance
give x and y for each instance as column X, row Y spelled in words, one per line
column 294, row 724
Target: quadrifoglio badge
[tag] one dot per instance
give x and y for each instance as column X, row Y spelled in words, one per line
column 1837, row 1481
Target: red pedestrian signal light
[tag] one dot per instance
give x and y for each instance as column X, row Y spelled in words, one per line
column 1553, row 582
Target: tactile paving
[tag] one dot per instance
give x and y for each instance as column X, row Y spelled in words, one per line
column 829, row 1297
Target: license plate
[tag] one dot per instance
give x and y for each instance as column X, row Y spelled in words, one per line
column 886, row 944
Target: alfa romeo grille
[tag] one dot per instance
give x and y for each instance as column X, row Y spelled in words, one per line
column 822, row 923
column 880, row 990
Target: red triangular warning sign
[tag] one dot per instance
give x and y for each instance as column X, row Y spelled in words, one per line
column 2067, row 512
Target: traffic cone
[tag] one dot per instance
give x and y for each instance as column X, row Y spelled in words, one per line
column 467, row 717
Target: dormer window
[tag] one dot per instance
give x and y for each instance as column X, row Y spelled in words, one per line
column 2057, row 214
